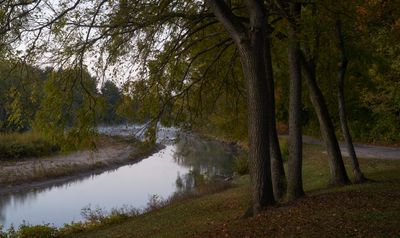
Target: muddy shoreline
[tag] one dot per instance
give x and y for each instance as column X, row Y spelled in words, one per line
column 79, row 171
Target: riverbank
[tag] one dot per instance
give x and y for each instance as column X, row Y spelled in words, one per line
column 366, row 210
column 111, row 152
column 361, row 210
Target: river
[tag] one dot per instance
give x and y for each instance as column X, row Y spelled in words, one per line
column 186, row 161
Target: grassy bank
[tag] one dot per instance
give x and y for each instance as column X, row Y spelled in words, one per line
column 366, row 210
column 14, row 146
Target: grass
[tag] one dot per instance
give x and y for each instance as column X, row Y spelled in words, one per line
column 363, row 210
column 178, row 219
column 25, row 145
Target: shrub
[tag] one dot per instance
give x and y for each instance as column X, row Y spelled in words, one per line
column 28, row 231
column 24, row 145
column 42, row 231
column 97, row 215
column 155, row 202
column 241, row 165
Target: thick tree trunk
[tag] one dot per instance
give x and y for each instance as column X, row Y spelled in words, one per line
column 295, row 181
column 277, row 169
column 258, row 133
column 250, row 41
column 337, row 170
column 252, row 55
column 358, row 176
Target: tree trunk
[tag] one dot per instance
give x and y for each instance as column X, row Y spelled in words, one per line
column 358, row 176
column 337, row 170
column 258, row 109
column 250, row 41
column 277, row 169
column 295, row 181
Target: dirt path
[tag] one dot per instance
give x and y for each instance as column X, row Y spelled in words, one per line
column 362, row 150
column 110, row 152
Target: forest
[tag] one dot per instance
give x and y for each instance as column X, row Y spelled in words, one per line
column 257, row 74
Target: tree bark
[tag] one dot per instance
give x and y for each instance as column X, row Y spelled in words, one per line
column 277, row 169
column 258, row 109
column 295, row 181
column 250, row 41
column 338, row 175
column 358, row 176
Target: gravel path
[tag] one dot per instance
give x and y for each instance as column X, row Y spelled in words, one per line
column 362, row 150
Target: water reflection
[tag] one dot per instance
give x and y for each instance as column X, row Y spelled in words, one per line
column 165, row 135
column 206, row 160
column 24, row 197
column 204, row 156
column 180, row 167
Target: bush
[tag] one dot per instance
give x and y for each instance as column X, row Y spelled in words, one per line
column 241, row 165
column 28, row 231
column 42, row 231
column 24, row 145
column 155, row 202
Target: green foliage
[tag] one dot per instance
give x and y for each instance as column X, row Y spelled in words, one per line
column 63, row 105
column 112, row 97
column 138, row 103
column 28, row 231
column 241, row 165
column 127, row 109
column 25, row 145
column 186, row 69
column 42, row 231
column 20, row 95
column 150, row 134
column 67, row 113
column 371, row 32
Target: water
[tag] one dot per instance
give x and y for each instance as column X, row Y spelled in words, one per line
column 165, row 135
column 179, row 167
